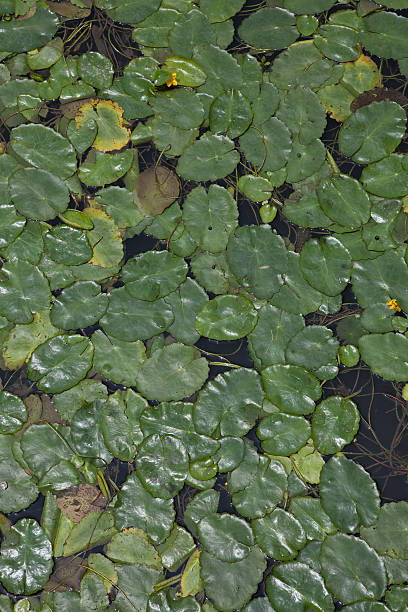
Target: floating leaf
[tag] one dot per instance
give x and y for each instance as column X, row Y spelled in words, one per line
column 44, row 148
column 337, row 42
column 179, row 107
column 208, row 159
column 386, row 354
column 230, row 113
column 38, row 194
column 152, row 275
column 19, row 35
column 24, row 291
column 232, row 402
column 240, row 579
column 162, row 465
column 268, row 146
column 200, row 33
column 302, row 113
column 79, row 305
column 21, row 490
column 351, row 569
column 296, row 587
column 269, row 28
column 116, row 359
column 291, row 388
column 133, row 546
column 222, row 69
column 104, row 238
column 283, row 434
column 383, row 34
column 210, row 217
column 186, row 303
column 257, row 257
column 171, row 373
column 334, row 424
column 312, row 517
column 67, row 245
column 344, row 201
column 387, row 178
column 348, row 494
column 387, row 536
column 135, row 507
column 100, row 169
column 279, row 535
column 26, row 558
column 226, row 317
column 325, row 264
column 188, row 73
column 227, row 537
column 95, row 529
column 313, row 347
column 155, row 189
column 60, row 363
column 108, row 117
column 95, row 69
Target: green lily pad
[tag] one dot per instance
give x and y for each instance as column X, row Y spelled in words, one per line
column 337, row 42
column 302, row 112
column 314, row 6
column 381, row 279
column 186, row 302
column 388, row 177
column 279, row 535
column 162, row 465
column 19, row 35
column 136, row 507
column 351, row 569
column 296, row 587
column 95, row 529
column 210, row 217
column 227, row 537
column 129, row 319
column 133, row 546
column 119, row 205
column 313, row 347
column 25, row 291
column 296, row 295
column 386, row 354
column 38, row 194
column 179, row 107
column 226, row 317
column 21, row 490
column 291, row 388
column 257, row 258
column 240, row 579
column 79, row 305
column 326, row 264
column 344, row 201
column 172, row 373
column 116, row 359
column 60, row 363
column 177, row 548
column 132, row 11
column 202, row 505
column 268, row 146
column 222, row 69
column 230, row 113
column 23, row 339
column 154, row 30
column 256, row 188
column 232, row 402
column 101, row 169
column 153, row 275
column 188, row 73
column 12, row 224
column 305, row 160
column 283, row 434
column 334, row 424
column 315, row 522
column 85, row 392
column 200, row 33
column 208, row 159
column 373, row 132
column 383, row 34
column 387, row 536
column 86, row 433
column 269, row 28
column 211, row 271
column 26, row 558
column 13, row 413
column 119, row 424
column 95, row 69
column 348, row 494
column 67, row 245
column 28, row 245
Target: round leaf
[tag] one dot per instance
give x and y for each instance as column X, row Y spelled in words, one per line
column 325, row 264
column 283, row 434
column 67, row 245
column 387, row 178
column 78, row 306
column 117, row 360
column 60, row 363
column 344, row 201
column 171, row 373
column 302, row 112
column 351, row 569
column 269, row 28
column 386, row 354
column 388, row 536
column 313, row 347
column 179, row 107
column 230, row 113
column 19, row 490
column 26, row 558
column 226, row 317
column 24, row 291
column 296, row 587
column 208, row 159
column 95, row 69
column 279, row 535
column 291, row 388
column 162, row 465
column 13, row 413
column 227, row 537
column 334, row 424
column 268, row 146
column 186, row 303
column 348, row 494
column 19, row 35
column 153, row 274
column 38, row 194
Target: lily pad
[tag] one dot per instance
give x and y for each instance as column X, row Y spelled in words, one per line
column 162, row 465
column 326, row 264
column 153, row 275
column 387, row 178
column 79, row 305
column 25, row 291
column 67, row 245
column 116, row 359
column 186, row 302
column 19, row 35
column 302, row 112
column 383, row 35
column 208, row 159
column 291, row 388
column 269, row 28
column 226, row 317
column 268, row 146
column 295, row 587
column 111, row 134
column 95, row 69
column 179, row 107
column 101, row 169
column 344, row 201
column 283, row 434
column 227, row 537
column 334, row 424
column 387, row 535
column 38, row 194
column 171, row 373
column 230, row 113
column 155, row 189
column 21, row 490
column 386, row 354
column 279, row 535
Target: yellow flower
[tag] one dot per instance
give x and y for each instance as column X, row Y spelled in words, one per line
column 171, row 80
column 392, row 305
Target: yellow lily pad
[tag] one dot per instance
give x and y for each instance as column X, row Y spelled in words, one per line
column 112, row 134
column 104, row 238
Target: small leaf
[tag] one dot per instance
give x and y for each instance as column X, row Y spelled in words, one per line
column 334, row 424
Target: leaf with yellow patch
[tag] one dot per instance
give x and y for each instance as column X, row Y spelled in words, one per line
column 111, row 135
column 23, row 339
column 104, row 238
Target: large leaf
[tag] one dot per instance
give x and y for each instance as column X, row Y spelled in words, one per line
column 268, row 146
column 325, row 264
column 44, row 148
column 302, row 112
column 21, row 490
column 334, row 424
column 227, row 537
column 231, row 585
column 179, row 107
column 210, row 217
column 230, row 113
column 383, row 34
column 387, row 178
column 117, row 360
column 388, row 536
column 226, row 317
column 67, row 245
column 348, row 494
column 279, row 535
column 26, row 558
column 283, row 434
column 232, row 402
column 130, row 319
column 208, row 159
column 38, row 194
column 152, row 275
column 372, row 132
column 135, row 507
column 60, row 363
column 344, row 201
column 351, row 569
column 79, row 305
column 296, row 587
column 314, row 347
column 162, row 465
column 172, row 372
column 386, row 354
column 291, row 388
column 19, row 35
column 257, row 257
column 24, row 291
column 269, row 28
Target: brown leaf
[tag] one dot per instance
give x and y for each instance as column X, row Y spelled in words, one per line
column 155, row 189
column 379, row 94
column 67, row 574
column 79, row 501
column 66, row 9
